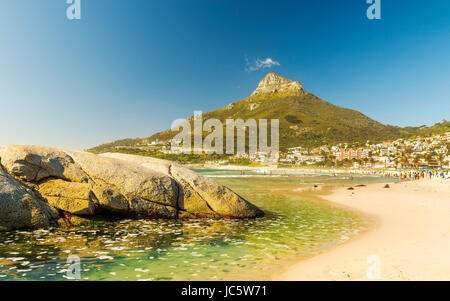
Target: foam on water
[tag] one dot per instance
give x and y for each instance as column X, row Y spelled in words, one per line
column 203, row 249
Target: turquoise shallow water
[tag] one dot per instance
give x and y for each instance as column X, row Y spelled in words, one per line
column 196, row 249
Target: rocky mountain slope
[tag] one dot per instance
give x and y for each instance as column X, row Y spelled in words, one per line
column 305, row 119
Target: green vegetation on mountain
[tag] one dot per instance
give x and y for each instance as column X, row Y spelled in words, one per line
column 438, row 128
column 305, row 120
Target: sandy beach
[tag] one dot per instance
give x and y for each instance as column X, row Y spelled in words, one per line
column 409, row 239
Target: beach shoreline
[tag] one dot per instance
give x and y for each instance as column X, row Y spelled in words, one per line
column 408, row 238
column 293, row 170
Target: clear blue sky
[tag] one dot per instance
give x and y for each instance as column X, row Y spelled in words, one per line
column 128, row 68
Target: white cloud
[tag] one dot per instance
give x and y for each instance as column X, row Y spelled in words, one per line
column 261, row 64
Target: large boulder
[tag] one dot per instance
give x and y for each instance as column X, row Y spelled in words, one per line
column 20, row 207
column 84, row 184
column 199, row 195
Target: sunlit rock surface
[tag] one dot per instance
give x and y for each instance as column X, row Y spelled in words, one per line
column 59, row 183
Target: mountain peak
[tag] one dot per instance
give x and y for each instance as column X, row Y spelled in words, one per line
column 274, row 83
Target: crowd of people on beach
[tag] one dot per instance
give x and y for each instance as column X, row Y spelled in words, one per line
column 424, row 174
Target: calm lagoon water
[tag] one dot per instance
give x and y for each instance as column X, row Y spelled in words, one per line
column 252, row 249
